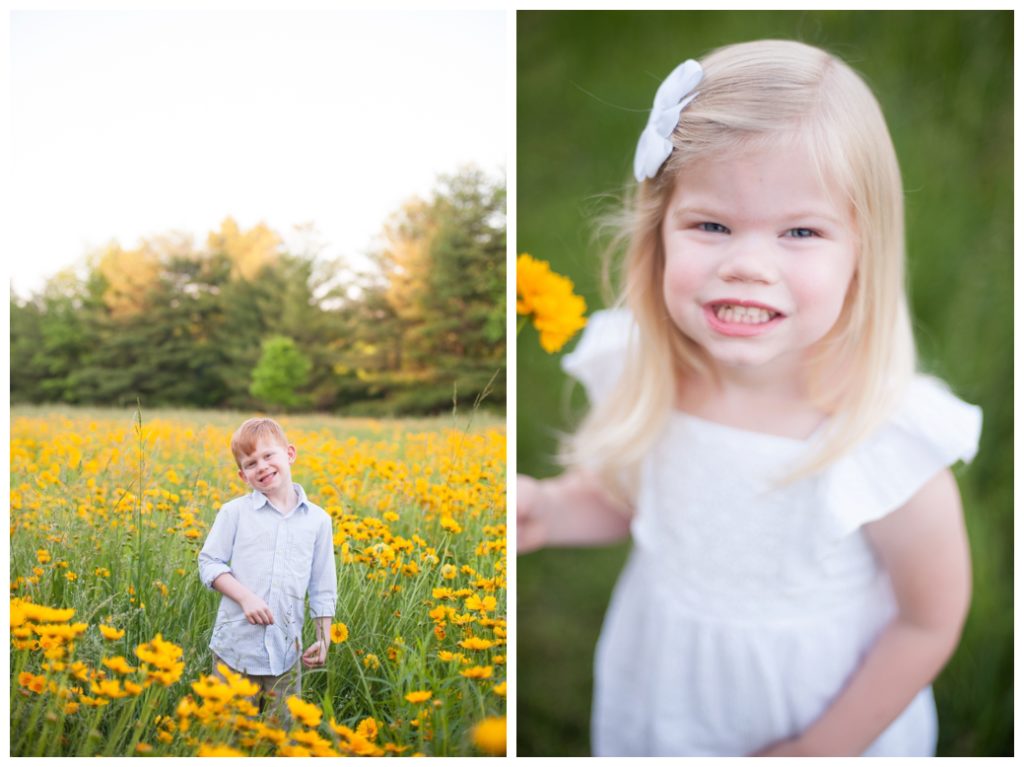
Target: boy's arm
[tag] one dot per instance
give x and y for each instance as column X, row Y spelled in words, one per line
column 323, row 579
column 323, row 595
column 216, row 552
column 215, row 572
column 923, row 546
column 569, row 510
column 256, row 610
column 316, row 653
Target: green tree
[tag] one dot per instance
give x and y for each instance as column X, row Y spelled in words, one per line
column 280, row 372
column 444, row 264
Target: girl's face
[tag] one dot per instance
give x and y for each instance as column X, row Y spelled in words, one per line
column 758, row 259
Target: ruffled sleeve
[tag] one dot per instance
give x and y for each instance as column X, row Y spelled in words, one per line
column 599, row 358
column 930, row 430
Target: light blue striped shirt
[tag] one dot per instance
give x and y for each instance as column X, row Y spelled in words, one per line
column 279, row 557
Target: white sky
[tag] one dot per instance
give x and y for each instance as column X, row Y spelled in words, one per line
column 127, row 124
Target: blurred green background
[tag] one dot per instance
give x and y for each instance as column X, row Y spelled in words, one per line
column 585, row 83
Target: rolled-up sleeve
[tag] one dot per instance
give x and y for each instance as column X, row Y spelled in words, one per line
column 323, row 579
column 216, row 552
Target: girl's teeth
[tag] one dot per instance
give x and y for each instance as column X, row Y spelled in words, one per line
column 746, row 315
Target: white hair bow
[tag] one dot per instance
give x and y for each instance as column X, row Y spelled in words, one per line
column 671, row 99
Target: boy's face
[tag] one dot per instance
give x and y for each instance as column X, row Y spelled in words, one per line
column 268, row 467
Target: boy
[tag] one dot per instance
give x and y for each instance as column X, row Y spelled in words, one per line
column 265, row 551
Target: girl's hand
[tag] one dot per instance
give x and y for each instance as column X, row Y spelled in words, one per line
column 315, row 655
column 256, row 611
column 531, row 530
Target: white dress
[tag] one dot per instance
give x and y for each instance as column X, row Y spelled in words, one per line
column 745, row 607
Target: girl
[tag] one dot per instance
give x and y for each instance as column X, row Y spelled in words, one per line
column 800, row 570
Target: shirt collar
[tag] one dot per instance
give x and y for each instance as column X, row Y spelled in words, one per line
column 260, row 500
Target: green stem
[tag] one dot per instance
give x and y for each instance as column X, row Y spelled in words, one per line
column 143, row 720
column 112, row 741
column 362, row 678
column 89, row 739
column 30, row 730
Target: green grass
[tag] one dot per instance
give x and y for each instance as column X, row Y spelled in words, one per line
column 585, row 81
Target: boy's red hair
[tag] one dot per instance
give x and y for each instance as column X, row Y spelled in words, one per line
column 249, row 434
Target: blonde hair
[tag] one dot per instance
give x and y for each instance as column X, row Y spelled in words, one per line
column 249, row 434
column 755, row 95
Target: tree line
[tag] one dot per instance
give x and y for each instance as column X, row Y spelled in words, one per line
column 243, row 323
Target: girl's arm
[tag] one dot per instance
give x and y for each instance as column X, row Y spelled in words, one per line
column 570, row 510
column 923, row 545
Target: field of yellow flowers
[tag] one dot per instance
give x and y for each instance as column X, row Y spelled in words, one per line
column 110, row 623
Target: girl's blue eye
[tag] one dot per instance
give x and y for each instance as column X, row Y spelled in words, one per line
column 801, row 232
column 711, row 226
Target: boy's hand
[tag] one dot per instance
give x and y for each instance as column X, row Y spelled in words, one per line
column 256, row 611
column 531, row 531
column 315, row 655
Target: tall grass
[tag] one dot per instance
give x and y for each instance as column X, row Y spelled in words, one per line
column 109, row 511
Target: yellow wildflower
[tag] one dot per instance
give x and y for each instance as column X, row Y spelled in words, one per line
column 293, row 751
column 486, row 604
column 478, row 672
column 317, row 745
column 307, row 713
column 419, row 696
column 163, row 656
column 339, row 633
column 109, row 688
column 109, row 632
column 489, row 736
column 22, row 611
column 340, row 729
column 476, row 643
column 548, row 297
column 211, row 688
column 368, row 728
column 94, row 702
column 80, row 671
column 219, row 749
column 238, row 684
column 361, row 746
column 119, row 664
column 32, row 682
column 59, row 631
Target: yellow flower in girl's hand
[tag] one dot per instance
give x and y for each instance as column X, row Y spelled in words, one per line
column 548, row 298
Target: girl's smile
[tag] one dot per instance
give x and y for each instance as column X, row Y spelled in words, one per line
column 741, row 318
column 759, row 256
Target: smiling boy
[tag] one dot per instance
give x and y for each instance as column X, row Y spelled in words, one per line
column 265, row 552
